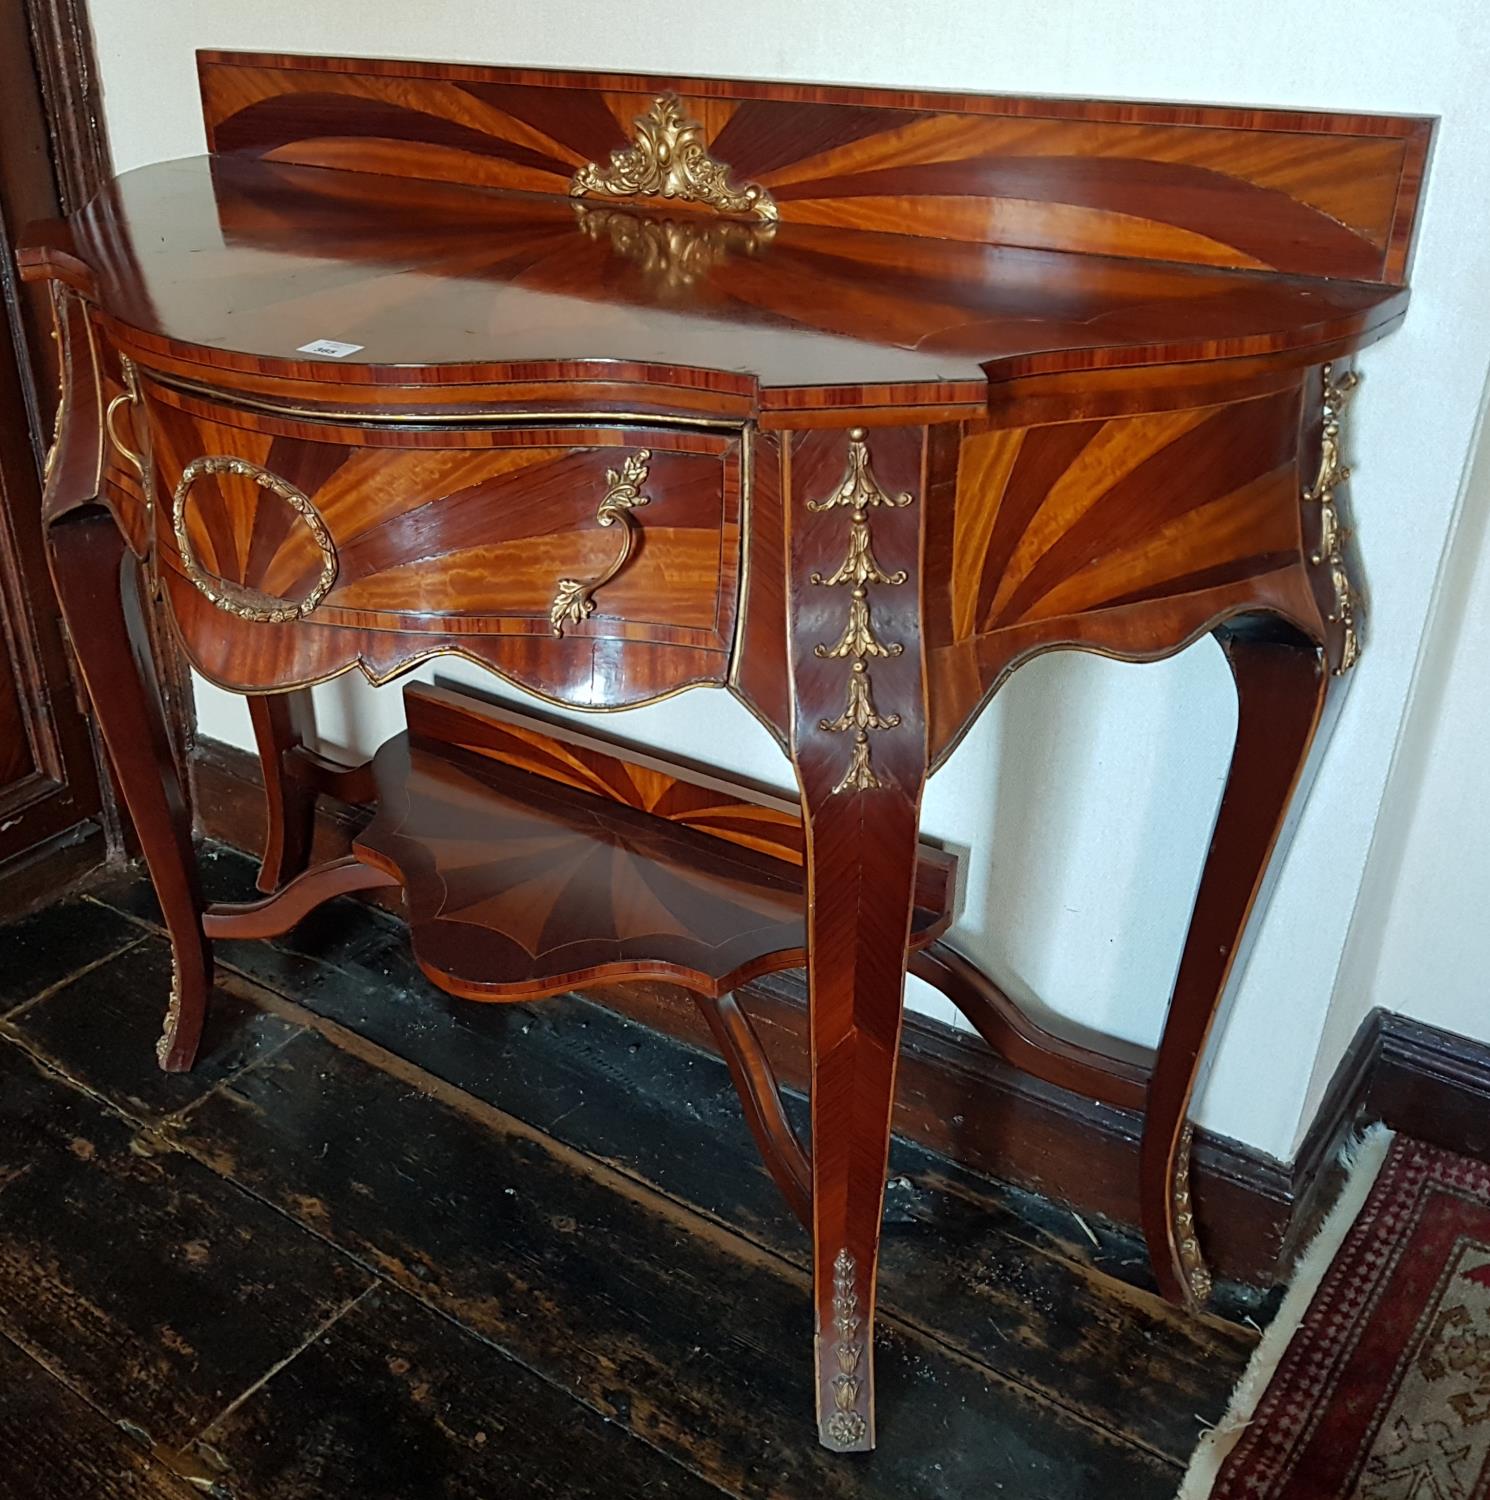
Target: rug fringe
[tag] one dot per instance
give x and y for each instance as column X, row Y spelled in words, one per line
column 1362, row 1158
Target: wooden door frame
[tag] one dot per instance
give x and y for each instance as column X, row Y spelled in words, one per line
column 55, row 157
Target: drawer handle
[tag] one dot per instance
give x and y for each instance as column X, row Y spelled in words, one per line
column 237, row 598
column 130, row 394
column 574, row 597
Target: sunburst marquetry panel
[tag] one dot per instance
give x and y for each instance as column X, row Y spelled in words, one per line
column 1128, row 535
column 536, row 858
column 437, row 544
column 1325, row 194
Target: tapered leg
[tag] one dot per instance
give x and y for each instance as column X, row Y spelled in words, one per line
column 863, row 846
column 859, row 744
column 97, row 582
column 1282, row 685
column 280, row 722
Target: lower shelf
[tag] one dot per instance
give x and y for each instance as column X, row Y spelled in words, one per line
column 536, row 859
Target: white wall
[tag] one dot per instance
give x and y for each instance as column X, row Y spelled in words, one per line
column 1087, row 792
column 1420, row 939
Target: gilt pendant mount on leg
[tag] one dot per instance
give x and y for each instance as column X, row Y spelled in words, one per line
column 1330, row 553
column 859, row 490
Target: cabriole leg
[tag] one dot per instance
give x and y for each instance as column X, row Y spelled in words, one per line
column 862, row 871
column 859, row 744
column 97, row 582
column 1282, row 684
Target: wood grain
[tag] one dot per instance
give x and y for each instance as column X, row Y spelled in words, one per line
column 1007, row 1278
column 1282, row 190
column 1287, row 701
column 818, row 318
column 670, row 1328
column 48, row 945
column 58, row 1447
column 437, row 1411
column 459, row 545
column 98, row 583
column 861, row 841
column 765, row 1111
column 281, row 723
column 48, row 782
column 1129, row 535
column 100, row 1027
column 535, row 860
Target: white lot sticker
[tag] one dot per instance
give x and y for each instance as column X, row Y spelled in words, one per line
column 329, row 347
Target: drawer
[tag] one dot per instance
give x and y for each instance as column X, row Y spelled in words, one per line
column 547, row 551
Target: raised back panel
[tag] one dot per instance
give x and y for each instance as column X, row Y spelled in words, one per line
column 1314, row 194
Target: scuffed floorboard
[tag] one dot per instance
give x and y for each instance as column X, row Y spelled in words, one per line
column 384, row 1244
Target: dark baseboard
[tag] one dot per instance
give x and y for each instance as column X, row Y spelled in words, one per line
column 43, row 872
column 1431, row 1084
column 959, row 1099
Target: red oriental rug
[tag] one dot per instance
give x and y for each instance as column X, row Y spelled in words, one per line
column 1383, row 1390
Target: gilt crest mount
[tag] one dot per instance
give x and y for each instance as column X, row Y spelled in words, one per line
column 668, row 159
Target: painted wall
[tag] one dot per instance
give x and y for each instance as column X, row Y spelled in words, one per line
column 1420, row 939
column 1088, row 790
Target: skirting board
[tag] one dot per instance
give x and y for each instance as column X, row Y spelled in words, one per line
column 42, row 873
column 958, row 1098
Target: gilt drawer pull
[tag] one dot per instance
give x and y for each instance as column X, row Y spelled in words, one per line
column 130, row 394
column 237, row 598
column 574, row 597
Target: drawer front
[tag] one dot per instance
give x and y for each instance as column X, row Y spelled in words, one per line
column 597, row 565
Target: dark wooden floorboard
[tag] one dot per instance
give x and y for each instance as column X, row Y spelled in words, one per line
column 996, row 1273
column 54, row 1446
column 158, row 1291
column 396, row 1402
column 101, row 1027
column 991, row 1270
column 688, row 1334
column 559, row 1212
column 54, row 943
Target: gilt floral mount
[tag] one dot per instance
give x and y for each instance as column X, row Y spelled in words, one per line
column 668, row 159
column 861, row 492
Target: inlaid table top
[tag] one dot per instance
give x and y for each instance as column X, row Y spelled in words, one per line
column 236, row 255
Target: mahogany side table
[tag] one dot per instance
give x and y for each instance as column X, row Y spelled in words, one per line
column 845, row 401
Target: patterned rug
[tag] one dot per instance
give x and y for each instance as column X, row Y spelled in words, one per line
column 1383, row 1390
